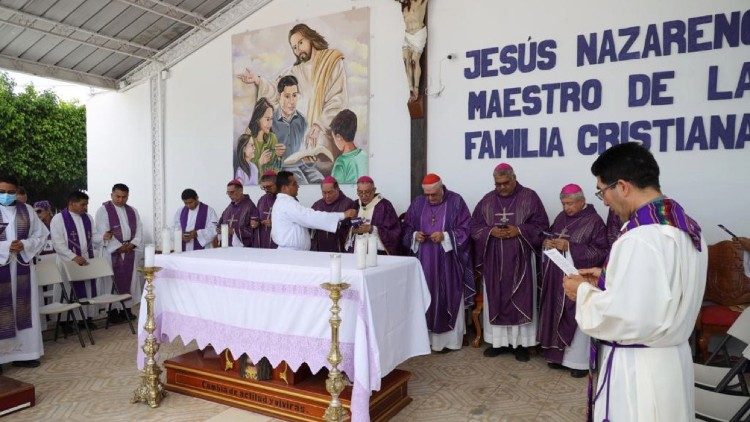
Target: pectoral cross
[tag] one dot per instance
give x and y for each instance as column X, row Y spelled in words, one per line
column 231, row 222
column 268, row 213
column 504, row 216
column 563, row 233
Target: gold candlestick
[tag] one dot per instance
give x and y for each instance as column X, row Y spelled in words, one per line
column 151, row 390
column 335, row 382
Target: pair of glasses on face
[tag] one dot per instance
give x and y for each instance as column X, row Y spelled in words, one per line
column 600, row 193
column 265, row 188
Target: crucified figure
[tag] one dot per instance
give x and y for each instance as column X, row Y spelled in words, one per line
column 415, row 39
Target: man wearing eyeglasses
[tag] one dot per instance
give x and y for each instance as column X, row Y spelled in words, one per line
column 240, row 215
column 22, row 236
column 377, row 216
column 333, row 200
column 643, row 303
column 265, row 207
column 506, row 227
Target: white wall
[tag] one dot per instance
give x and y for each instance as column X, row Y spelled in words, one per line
column 712, row 185
column 118, row 128
column 198, row 113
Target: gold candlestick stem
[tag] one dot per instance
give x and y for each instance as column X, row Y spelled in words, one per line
column 151, row 390
column 335, row 382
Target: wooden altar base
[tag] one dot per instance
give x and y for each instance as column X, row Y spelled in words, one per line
column 192, row 375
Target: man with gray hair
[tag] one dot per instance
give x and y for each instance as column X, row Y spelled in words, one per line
column 581, row 236
column 506, row 227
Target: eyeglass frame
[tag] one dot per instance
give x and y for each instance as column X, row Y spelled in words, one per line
column 600, row 193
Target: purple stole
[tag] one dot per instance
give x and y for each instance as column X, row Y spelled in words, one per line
column 200, row 223
column 22, row 320
column 661, row 210
column 122, row 263
column 74, row 245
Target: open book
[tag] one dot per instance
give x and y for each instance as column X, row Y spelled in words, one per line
column 311, row 152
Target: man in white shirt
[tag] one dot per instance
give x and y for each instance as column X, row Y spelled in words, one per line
column 197, row 222
column 290, row 221
column 22, row 236
column 643, row 304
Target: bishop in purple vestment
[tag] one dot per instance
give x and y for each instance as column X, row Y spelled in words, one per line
column 265, row 206
column 377, row 216
column 436, row 230
column 506, row 227
column 579, row 233
column 241, row 215
column 333, row 200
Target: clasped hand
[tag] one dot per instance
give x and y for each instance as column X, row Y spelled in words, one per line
column 505, row 232
column 436, row 237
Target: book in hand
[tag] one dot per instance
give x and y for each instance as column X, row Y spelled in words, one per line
column 313, row 152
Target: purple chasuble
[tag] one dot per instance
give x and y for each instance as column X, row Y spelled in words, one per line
column 614, row 225
column 200, row 223
column 449, row 274
column 384, row 217
column 238, row 217
column 265, row 206
column 9, row 322
column 323, row 241
column 123, row 264
column 74, row 244
column 587, row 242
column 506, row 263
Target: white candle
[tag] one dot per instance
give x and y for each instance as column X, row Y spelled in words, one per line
column 335, row 268
column 372, row 250
column 360, row 249
column 224, row 235
column 148, row 259
column 177, row 240
column 166, row 241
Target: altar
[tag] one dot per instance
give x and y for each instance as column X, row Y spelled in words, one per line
column 268, row 303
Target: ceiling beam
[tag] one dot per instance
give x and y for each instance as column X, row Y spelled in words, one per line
column 56, row 72
column 23, row 23
column 171, row 13
column 59, row 26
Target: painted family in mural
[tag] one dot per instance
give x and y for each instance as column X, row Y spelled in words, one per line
column 303, row 119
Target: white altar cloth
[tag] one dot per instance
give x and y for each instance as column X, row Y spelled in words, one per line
column 267, row 302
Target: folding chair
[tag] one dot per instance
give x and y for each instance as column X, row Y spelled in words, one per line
column 718, row 379
column 48, row 274
column 96, row 268
column 712, row 406
column 740, row 330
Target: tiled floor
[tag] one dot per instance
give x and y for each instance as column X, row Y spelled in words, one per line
column 96, row 383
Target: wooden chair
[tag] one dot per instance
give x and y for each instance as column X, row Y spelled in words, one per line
column 713, row 320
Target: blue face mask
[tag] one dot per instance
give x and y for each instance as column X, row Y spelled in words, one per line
column 7, row 198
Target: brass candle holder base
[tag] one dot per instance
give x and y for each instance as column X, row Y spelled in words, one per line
column 151, row 389
column 335, row 383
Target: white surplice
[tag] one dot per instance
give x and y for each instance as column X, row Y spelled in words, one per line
column 102, row 225
column 27, row 344
column 290, row 223
column 204, row 236
column 65, row 254
column 655, row 281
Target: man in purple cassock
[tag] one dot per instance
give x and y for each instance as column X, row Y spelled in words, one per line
column 333, row 200
column 506, row 227
column 265, row 206
column 197, row 221
column 377, row 216
column 436, row 230
column 240, row 215
column 614, row 225
column 22, row 236
column 579, row 233
column 75, row 237
column 123, row 240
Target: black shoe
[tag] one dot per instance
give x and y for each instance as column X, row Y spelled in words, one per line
column 491, row 352
column 578, row 373
column 554, row 365
column 442, row 352
column 125, row 315
column 26, row 363
column 521, row 353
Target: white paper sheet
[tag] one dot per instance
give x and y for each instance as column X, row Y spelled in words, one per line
column 560, row 261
